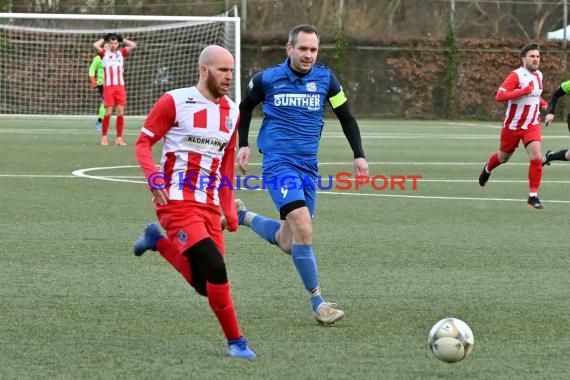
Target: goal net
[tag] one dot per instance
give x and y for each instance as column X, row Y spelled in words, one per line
column 45, row 59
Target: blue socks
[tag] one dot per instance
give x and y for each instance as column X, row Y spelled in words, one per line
column 266, row 228
column 302, row 255
column 304, row 260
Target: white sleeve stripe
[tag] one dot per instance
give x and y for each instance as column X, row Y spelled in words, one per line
column 147, row 132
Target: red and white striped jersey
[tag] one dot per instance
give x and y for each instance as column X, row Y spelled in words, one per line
column 196, row 134
column 113, row 66
column 522, row 112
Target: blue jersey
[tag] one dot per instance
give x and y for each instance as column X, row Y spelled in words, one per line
column 293, row 107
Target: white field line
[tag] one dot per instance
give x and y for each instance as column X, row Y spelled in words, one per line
column 434, row 197
column 330, row 135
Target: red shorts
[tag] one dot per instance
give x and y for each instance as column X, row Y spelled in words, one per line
column 187, row 223
column 114, row 96
column 510, row 138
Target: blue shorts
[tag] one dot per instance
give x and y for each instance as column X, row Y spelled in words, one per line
column 290, row 178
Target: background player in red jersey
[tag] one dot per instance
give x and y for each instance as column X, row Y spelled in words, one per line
column 521, row 90
column 114, row 92
column 198, row 125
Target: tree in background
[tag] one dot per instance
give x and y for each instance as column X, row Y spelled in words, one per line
column 364, row 19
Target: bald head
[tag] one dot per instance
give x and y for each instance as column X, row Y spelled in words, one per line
column 214, row 54
column 216, row 71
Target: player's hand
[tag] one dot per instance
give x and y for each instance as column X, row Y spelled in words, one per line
column 232, row 223
column 361, row 166
column 93, row 82
column 528, row 89
column 243, row 159
column 548, row 119
column 161, row 196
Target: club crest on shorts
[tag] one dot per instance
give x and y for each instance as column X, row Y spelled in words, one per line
column 182, row 237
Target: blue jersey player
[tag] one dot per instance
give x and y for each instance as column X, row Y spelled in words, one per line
column 294, row 95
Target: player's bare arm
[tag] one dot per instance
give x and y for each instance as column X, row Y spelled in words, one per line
column 98, row 46
column 129, row 45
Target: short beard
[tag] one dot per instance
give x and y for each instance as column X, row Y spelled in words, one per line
column 530, row 68
column 213, row 86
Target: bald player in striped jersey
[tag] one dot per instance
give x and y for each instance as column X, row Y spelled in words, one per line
column 114, row 92
column 294, row 96
column 198, row 126
column 522, row 91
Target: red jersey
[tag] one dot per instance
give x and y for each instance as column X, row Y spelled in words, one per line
column 522, row 112
column 113, row 66
column 199, row 144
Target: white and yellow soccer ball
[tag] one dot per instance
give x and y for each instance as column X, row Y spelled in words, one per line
column 451, row 340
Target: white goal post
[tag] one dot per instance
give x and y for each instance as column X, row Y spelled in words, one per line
column 45, row 58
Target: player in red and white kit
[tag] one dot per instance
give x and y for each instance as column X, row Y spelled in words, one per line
column 521, row 90
column 198, row 125
column 114, row 92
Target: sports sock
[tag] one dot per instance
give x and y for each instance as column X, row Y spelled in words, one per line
column 306, row 264
column 106, row 121
column 266, row 228
column 560, row 155
column 174, row 258
column 493, row 162
column 102, row 111
column 534, row 175
column 120, row 125
column 220, row 300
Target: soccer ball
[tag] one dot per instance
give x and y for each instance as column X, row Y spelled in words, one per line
column 451, row 340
